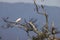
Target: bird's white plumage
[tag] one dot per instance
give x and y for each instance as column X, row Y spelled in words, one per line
column 53, row 24
column 18, row 20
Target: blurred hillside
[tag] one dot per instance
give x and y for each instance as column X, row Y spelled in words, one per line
column 24, row 10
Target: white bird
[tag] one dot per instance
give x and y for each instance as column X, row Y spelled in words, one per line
column 53, row 24
column 18, row 20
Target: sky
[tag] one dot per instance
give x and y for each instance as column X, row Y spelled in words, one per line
column 46, row 2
